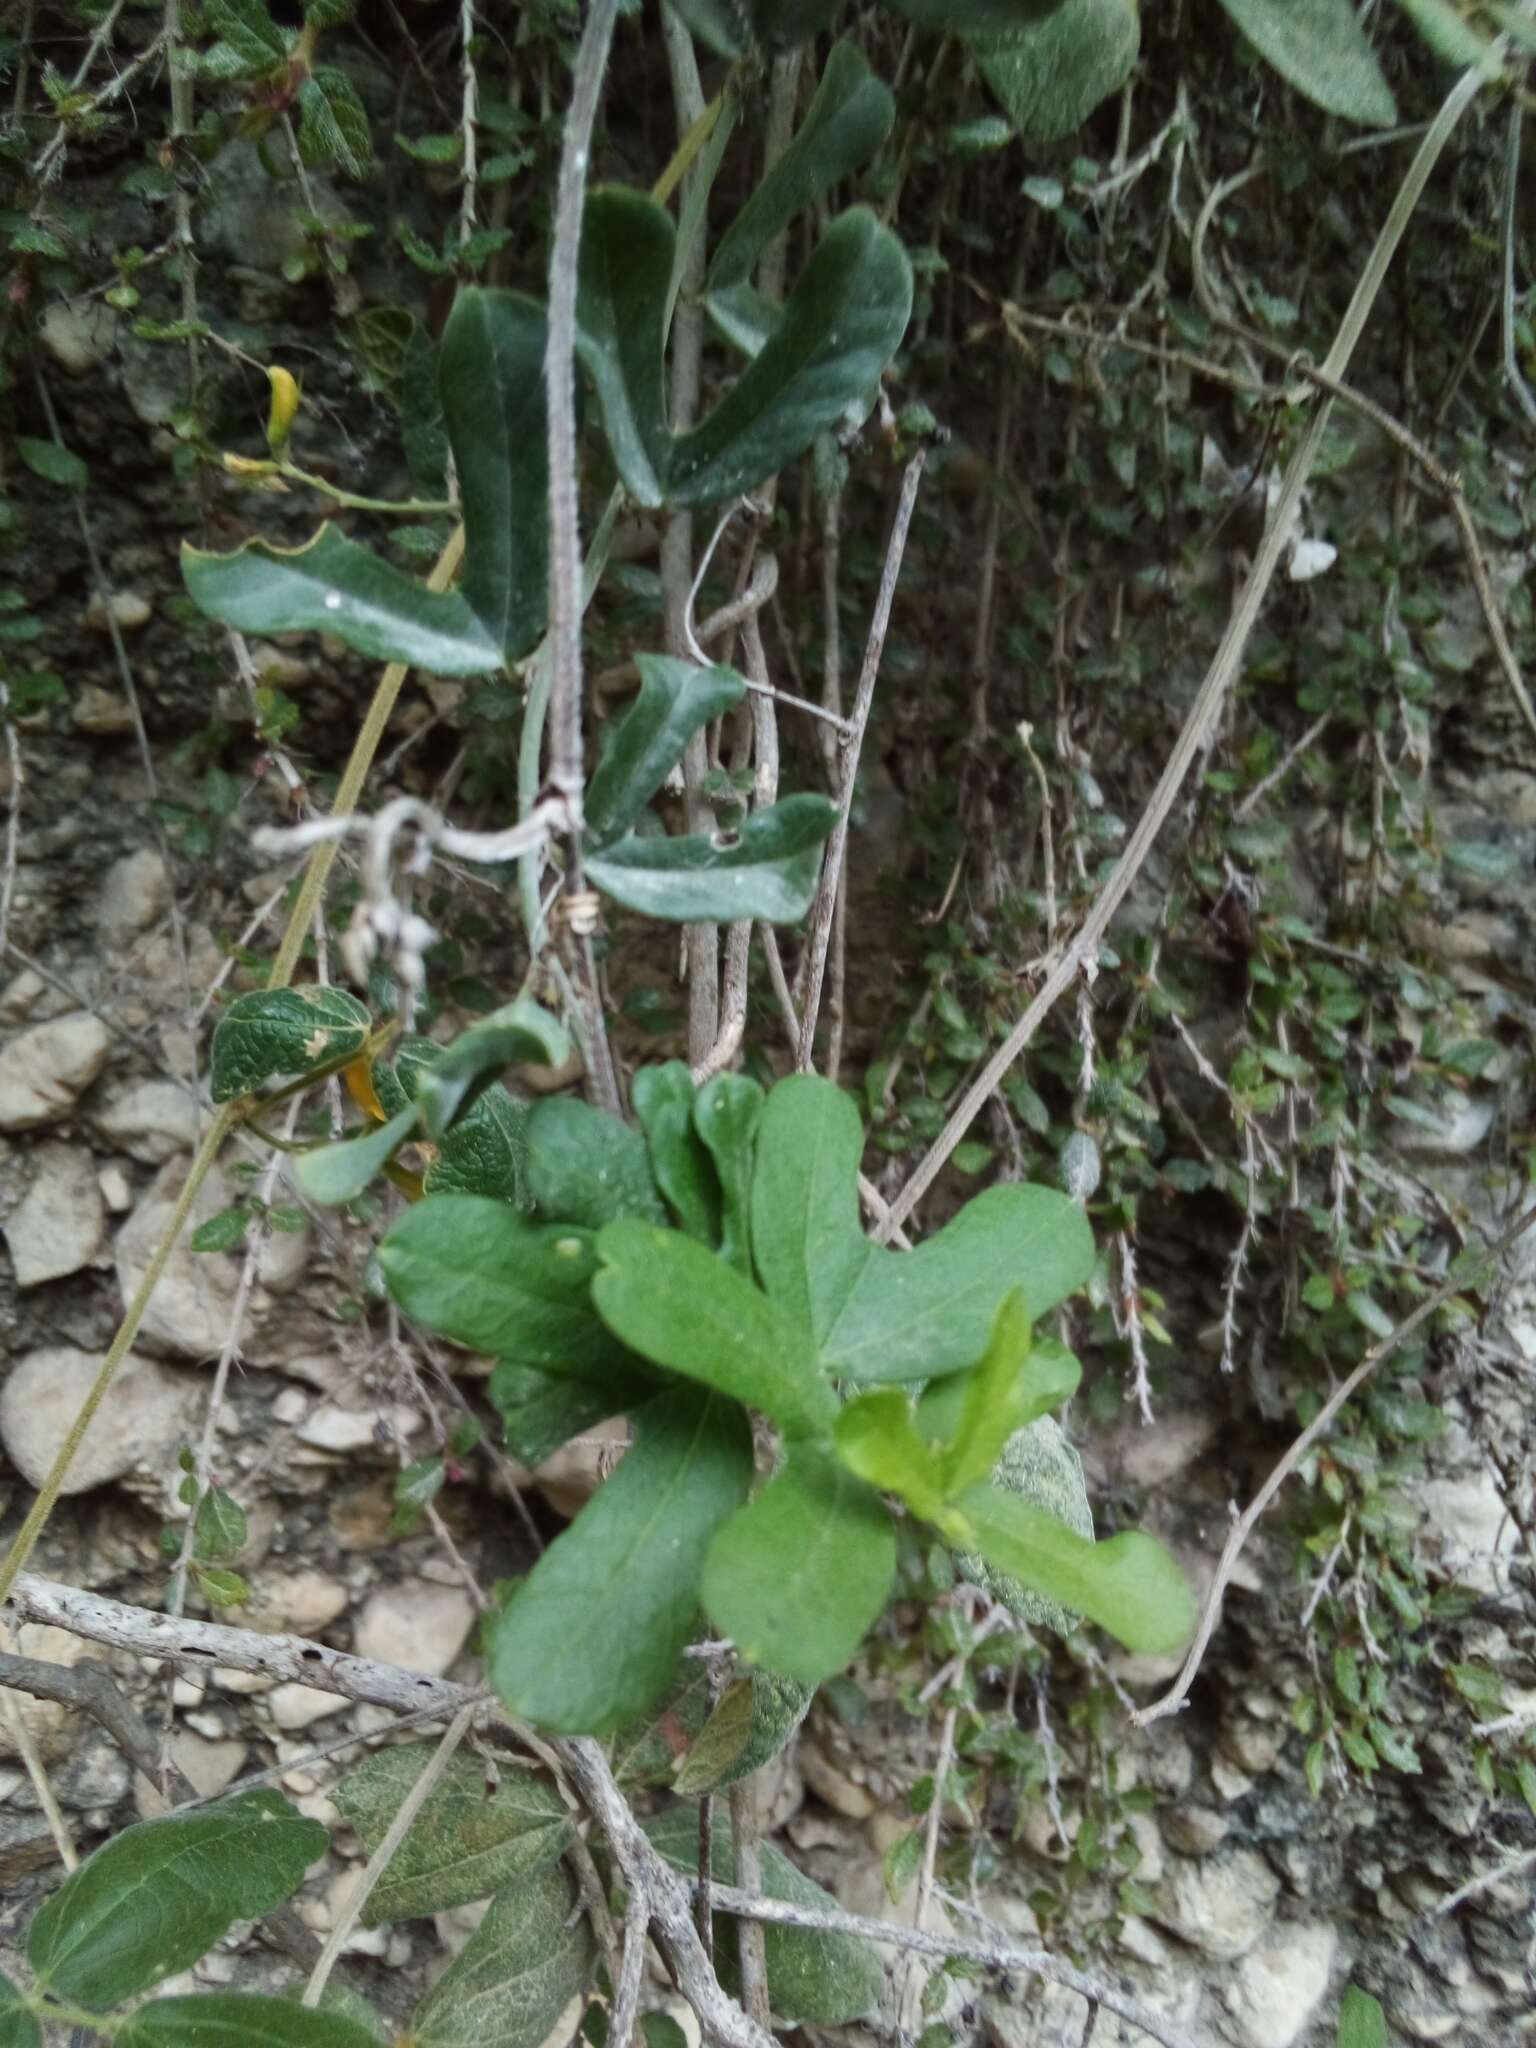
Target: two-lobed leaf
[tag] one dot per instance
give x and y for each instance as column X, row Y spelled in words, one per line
column 594, row 1635
column 284, row 1031
column 160, row 1894
column 798, row 1577
column 878, row 1315
column 682, row 1307
column 528, row 1959
column 467, row 1841
column 675, row 699
column 767, row 868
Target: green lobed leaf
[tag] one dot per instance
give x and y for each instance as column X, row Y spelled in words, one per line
column 475, row 1270
column 160, row 1894
column 766, row 869
column 17, row 2026
column 240, row 2019
column 876, row 1314
column 799, row 1576
column 814, row 1979
column 846, row 122
column 540, row 1411
column 676, row 698
column 594, row 1634
column 520, row 1030
column 332, row 585
column 682, row 1307
column 485, row 1151
column 284, row 1031
column 333, row 1174
column 586, row 1167
column 490, row 370
column 1319, row 47
column 528, row 1959
column 1050, row 74
column 468, row 1840
column 725, row 1114
column 663, row 1097
column 1129, row 1585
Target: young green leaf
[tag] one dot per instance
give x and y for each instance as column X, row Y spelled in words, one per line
column 333, row 585
column 1050, row 74
column 663, row 1100
column 676, row 698
column 877, row 1439
column 240, row 2019
column 491, row 375
column 515, row 1976
column 594, row 1634
column 159, row 1895
column 1004, row 1393
column 1038, row 1466
column 798, row 1577
column 1362, row 2023
column 219, row 1527
column 586, row 1167
column 521, row 1030
column 1129, row 1585
column 767, row 868
column 284, row 1031
column 846, row 122
column 333, row 1174
column 468, row 1840
column 725, row 1115
column 1049, row 1375
column 882, row 1315
column 682, row 1307
column 1319, row 47
column 814, row 1979
column 474, row 1270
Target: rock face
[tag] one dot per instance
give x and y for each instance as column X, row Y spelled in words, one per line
column 1279, row 1985
column 1221, row 1905
column 144, row 1417
column 134, row 892
column 45, row 1071
column 1468, row 1520
column 57, row 1226
column 419, row 1626
column 150, row 1120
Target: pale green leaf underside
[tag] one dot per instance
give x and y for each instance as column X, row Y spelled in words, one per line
column 1051, row 74
column 519, row 1970
column 1319, row 47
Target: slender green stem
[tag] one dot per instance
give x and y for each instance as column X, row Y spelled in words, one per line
column 354, row 503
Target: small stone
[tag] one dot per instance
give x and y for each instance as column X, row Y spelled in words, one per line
column 78, row 334
column 278, row 667
column 21, row 996
column 329, row 1427
column 290, row 1407
column 1279, row 1985
column 207, row 1766
column 1221, row 1906
column 115, row 1191
column 52, row 1727
column 1195, row 1830
column 1228, row 1780
column 126, row 609
column 100, row 712
column 146, row 1413
column 415, row 1626
column 58, row 1225
column 1252, row 1745
column 134, row 892
column 363, row 1517
column 1150, row 1454
column 832, row 1785
column 151, row 1121
column 299, row 1706
column 570, row 1476
column 1467, row 1518
column 241, row 1683
column 45, row 1071
column 300, row 1603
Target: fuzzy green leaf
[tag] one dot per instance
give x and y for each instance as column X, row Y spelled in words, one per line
column 160, row 1894
column 331, row 585
column 682, row 1307
column 1362, row 2023
column 799, row 1576
column 1128, row 1585
column 468, row 1840
column 521, row 1030
column 594, row 1634
column 474, row 1270
column 767, row 869
column 1319, row 47
column 239, row 2019
column 248, row 29
column 814, row 1979
column 717, row 1758
column 880, row 1315
column 333, row 123
column 484, row 1151
column 284, row 1031
column 1038, row 1466
column 676, row 698
column 515, row 1976
column 663, row 1099
column 1050, row 74
column 725, row 1115
column 333, row 1174
column 586, row 1167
